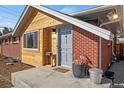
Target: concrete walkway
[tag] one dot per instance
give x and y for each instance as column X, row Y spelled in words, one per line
column 45, row 77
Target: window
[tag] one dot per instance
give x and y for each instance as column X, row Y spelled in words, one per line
column 9, row 40
column 15, row 40
column 31, row 40
column 6, row 41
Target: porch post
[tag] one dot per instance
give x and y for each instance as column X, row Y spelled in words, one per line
column 99, row 56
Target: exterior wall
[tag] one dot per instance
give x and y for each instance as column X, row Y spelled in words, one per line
column 40, row 21
column 0, row 50
column 85, row 43
column 11, row 50
column 106, row 54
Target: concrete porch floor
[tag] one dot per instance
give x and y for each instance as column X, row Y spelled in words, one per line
column 45, row 77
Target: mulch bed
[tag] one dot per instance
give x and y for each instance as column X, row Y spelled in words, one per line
column 6, row 68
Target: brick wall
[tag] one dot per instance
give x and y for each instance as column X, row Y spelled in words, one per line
column 11, row 50
column 85, row 43
column 106, row 54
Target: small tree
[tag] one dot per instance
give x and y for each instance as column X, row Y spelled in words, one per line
column 7, row 30
column 10, row 29
column 0, row 33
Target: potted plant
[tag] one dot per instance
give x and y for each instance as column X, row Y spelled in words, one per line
column 79, row 68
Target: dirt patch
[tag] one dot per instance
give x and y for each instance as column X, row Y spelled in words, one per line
column 8, row 67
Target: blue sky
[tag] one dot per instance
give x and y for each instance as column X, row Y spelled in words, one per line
column 9, row 14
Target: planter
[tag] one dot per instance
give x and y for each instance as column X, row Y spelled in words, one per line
column 78, row 70
column 96, row 75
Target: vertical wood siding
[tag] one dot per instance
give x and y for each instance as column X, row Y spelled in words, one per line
column 39, row 22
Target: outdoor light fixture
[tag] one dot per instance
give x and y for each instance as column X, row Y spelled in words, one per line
column 115, row 16
column 112, row 15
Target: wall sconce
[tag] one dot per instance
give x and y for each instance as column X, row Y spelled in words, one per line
column 115, row 16
column 112, row 15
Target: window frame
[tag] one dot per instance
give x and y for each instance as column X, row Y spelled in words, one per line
column 32, row 49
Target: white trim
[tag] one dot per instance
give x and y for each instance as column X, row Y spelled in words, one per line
column 100, row 53
column 31, row 49
column 66, row 66
column 93, row 10
column 26, row 39
column 84, row 25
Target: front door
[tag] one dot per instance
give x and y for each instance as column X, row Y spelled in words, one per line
column 65, row 45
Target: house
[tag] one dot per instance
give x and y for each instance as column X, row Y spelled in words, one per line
column 10, row 46
column 49, row 37
column 43, row 36
column 109, row 17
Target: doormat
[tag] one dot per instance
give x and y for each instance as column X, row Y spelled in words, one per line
column 62, row 70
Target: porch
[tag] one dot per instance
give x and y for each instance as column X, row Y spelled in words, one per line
column 46, row 77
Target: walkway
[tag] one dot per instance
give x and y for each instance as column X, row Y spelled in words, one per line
column 47, row 77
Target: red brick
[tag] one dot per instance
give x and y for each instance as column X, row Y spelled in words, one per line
column 85, row 43
column 11, row 50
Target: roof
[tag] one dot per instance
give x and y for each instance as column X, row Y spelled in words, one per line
column 79, row 23
column 6, row 35
column 93, row 10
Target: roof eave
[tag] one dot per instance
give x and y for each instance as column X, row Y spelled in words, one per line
column 96, row 9
column 84, row 25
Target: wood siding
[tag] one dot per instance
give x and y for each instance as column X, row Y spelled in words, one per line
column 38, row 23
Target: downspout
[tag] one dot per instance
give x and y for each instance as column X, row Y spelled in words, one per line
column 112, row 39
column 100, row 49
column 113, row 53
column 100, row 53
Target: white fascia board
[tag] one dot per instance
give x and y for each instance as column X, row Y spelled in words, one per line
column 93, row 10
column 84, row 25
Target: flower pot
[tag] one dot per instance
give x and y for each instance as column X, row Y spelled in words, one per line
column 78, row 70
